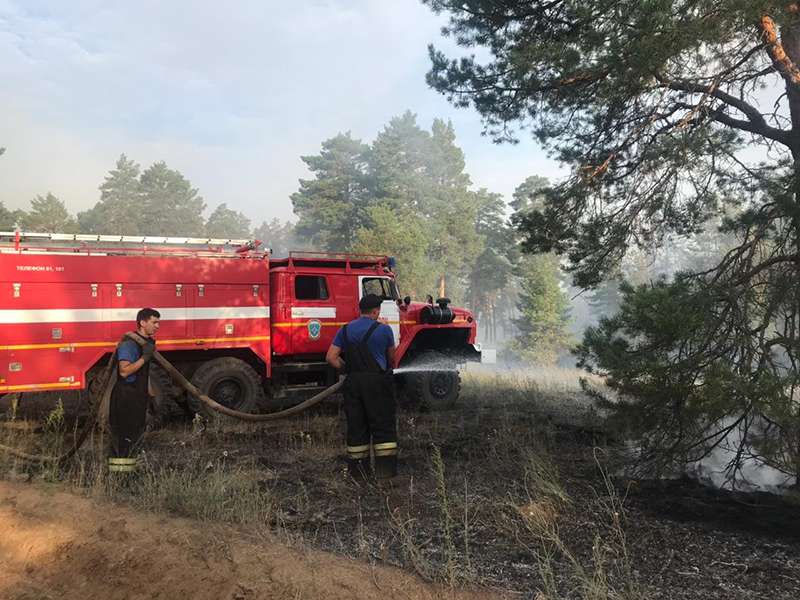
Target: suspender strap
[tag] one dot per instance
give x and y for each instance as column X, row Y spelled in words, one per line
column 369, row 333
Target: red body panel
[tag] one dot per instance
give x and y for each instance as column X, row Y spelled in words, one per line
column 58, row 325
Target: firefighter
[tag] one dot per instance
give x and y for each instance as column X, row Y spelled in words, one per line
column 369, row 402
column 132, row 393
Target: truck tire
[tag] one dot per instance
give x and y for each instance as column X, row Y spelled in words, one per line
column 183, row 403
column 231, row 382
column 432, row 390
column 158, row 408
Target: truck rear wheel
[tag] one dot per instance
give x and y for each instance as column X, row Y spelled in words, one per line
column 158, row 408
column 433, row 389
column 229, row 381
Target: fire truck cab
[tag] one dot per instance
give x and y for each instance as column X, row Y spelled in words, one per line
column 243, row 327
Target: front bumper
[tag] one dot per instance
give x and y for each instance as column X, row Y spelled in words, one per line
column 489, row 356
column 486, row 356
column 476, row 353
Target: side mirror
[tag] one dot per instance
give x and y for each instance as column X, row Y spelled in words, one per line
column 407, row 300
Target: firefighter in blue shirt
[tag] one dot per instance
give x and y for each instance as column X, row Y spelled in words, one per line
column 369, row 403
column 132, row 393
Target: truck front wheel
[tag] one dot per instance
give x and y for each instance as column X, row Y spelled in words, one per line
column 229, row 381
column 433, row 389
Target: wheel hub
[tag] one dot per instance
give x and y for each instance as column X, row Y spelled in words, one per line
column 228, row 392
column 440, row 384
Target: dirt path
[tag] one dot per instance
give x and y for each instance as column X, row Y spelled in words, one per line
column 57, row 545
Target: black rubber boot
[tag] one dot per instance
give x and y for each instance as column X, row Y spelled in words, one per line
column 385, row 466
column 386, row 473
column 359, row 469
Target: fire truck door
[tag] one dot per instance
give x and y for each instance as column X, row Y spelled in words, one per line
column 313, row 314
column 383, row 287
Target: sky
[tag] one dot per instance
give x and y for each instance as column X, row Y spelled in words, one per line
column 229, row 94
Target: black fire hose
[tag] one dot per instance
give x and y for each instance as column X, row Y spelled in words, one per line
column 187, row 385
column 98, row 407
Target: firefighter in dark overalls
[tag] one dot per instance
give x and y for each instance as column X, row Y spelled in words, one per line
column 132, row 392
column 369, row 401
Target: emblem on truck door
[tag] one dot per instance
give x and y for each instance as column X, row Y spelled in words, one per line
column 314, row 329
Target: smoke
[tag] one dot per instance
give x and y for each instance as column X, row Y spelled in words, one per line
column 730, row 466
column 557, row 392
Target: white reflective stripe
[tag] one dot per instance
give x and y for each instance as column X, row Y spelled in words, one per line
column 231, row 312
column 129, row 314
column 313, row 312
column 91, row 315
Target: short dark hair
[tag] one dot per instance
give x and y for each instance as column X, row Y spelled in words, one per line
column 145, row 314
column 369, row 303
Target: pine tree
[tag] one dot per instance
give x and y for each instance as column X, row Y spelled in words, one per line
column 492, row 274
column 450, row 213
column 650, row 107
column 171, row 207
column 8, row 218
column 120, row 209
column 385, row 232
column 544, row 321
column 401, row 189
column 48, row 214
column 421, row 176
column 330, row 206
column 398, row 162
column 410, row 177
column 605, row 300
column 529, row 194
column 278, row 237
column 227, row 223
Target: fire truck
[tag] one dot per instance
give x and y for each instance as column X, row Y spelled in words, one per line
column 241, row 326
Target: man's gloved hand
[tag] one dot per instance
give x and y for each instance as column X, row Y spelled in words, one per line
column 147, row 350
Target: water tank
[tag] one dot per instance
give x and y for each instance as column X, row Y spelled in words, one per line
column 438, row 315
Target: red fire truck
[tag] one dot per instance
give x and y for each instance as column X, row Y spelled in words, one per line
column 239, row 324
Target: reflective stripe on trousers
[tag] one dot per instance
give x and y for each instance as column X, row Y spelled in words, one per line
column 382, row 449
column 386, row 449
column 358, row 452
column 121, row 465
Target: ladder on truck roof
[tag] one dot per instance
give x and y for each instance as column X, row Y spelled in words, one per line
column 147, row 244
column 132, row 239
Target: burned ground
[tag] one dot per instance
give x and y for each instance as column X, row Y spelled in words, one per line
column 512, row 490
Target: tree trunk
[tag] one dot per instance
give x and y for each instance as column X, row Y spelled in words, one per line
column 473, row 296
column 441, row 282
column 790, row 42
column 493, row 321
